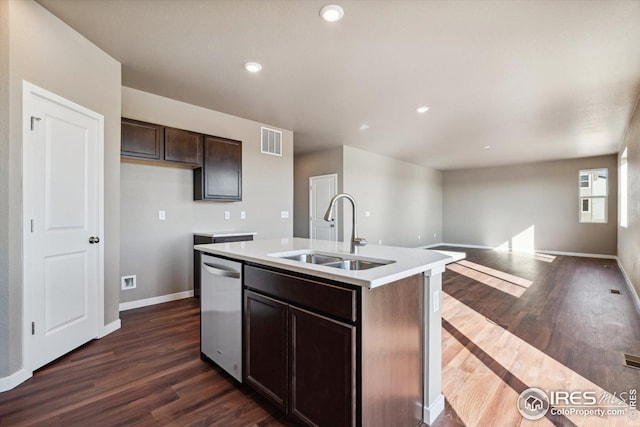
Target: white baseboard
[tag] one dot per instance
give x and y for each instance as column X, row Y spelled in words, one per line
column 432, row 412
column 155, row 300
column 541, row 251
column 632, row 290
column 111, row 327
column 14, row 380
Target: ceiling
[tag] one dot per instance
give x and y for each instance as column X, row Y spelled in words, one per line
column 534, row 80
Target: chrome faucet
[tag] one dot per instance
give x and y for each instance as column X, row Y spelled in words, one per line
column 328, row 216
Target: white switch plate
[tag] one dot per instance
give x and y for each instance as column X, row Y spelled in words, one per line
column 436, row 301
column 243, row 215
column 162, row 215
column 227, row 215
column 367, row 213
column 284, row 214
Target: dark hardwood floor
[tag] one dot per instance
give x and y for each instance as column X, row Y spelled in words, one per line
column 149, row 372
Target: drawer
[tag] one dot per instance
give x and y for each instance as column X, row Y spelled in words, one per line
column 325, row 298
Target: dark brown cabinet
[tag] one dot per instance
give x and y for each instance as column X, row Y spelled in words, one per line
column 141, row 140
column 220, row 177
column 183, row 146
column 157, row 143
column 302, row 360
column 266, row 331
column 322, row 358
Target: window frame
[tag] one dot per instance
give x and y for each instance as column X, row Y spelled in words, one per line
column 591, row 198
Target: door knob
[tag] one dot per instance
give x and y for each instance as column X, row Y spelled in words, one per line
column 93, row 240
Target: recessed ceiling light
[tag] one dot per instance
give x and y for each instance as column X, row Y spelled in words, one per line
column 422, row 109
column 332, row 13
column 252, row 67
column 364, row 126
column 486, row 147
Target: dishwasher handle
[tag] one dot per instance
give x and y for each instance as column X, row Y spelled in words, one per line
column 216, row 270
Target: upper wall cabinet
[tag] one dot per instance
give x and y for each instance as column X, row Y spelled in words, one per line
column 182, row 146
column 220, row 177
column 141, row 140
column 151, row 142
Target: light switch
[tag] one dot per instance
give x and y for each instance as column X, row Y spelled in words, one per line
column 227, row 215
column 284, row 214
column 162, row 215
column 367, row 213
column 243, row 215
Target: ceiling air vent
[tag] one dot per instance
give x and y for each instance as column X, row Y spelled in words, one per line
column 271, row 141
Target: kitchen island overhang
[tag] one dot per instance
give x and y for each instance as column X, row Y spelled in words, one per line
column 395, row 265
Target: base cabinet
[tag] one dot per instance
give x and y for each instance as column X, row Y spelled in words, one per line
column 266, row 336
column 322, row 375
column 330, row 354
column 301, row 360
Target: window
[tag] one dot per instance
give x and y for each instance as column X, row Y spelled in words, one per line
column 624, row 177
column 593, row 190
column 585, row 180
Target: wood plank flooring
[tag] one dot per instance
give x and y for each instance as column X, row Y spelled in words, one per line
column 523, row 321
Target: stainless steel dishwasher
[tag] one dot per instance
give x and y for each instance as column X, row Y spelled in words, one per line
column 221, row 313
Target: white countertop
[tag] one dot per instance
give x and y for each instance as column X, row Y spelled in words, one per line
column 225, row 233
column 406, row 261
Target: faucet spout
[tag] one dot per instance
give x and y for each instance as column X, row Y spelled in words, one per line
column 328, row 216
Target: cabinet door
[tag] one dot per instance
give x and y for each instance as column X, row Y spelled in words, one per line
column 222, row 171
column 323, row 370
column 141, row 140
column 266, row 331
column 182, row 146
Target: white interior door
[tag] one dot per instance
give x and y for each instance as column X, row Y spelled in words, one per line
column 63, row 193
column 321, row 190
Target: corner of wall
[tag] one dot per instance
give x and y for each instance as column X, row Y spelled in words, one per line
column 4, row 188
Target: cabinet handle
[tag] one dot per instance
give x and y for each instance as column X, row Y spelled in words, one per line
column 218, row 271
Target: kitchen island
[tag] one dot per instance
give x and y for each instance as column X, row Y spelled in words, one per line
column 334, row 338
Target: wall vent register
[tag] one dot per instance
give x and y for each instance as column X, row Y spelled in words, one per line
column 271, row 141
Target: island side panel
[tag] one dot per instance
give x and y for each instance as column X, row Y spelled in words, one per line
column 392, row 362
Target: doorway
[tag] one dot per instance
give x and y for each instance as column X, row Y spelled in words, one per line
column 321, row 189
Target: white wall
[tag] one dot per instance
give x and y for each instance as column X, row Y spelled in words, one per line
column 529, row 207
column 629, row 237
column 160, row 253
column 404, row 199
column 46, row 52
column 305, row 166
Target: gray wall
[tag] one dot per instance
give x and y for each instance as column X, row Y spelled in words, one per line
column 160, row 253
column 305, row 166
column 629, row 237
column 5, row 313
column 491, row 206
column 404, row 200
column 48, row 53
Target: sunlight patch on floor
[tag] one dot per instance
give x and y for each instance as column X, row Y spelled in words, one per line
column 478, row 395
column 489, row 280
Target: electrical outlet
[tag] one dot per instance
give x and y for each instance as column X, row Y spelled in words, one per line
column 284, row 214
column 435, row 235
column 419, row 237
column 379, row 242
column 243, row 215
column 227, row 215
column 367, row 213
column 128, row 282
column 162, row 215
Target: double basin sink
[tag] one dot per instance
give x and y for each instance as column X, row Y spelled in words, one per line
column 333, row 260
